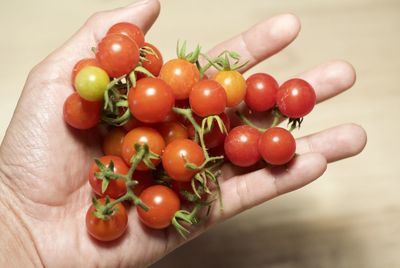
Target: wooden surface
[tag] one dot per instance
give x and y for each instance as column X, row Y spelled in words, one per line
column 350, row 217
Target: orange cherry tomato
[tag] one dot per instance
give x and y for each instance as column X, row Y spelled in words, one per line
column 234, row 85
column 180, row 75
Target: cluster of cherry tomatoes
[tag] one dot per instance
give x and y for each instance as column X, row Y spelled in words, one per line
column 167, row 132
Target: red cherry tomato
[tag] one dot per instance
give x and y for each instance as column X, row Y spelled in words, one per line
column 172, row 131
column 82, row 64
column 215, row 137
column 152, row 63
column 234, row 85
column 110, row 229
column 145, row 180
column 162, row 202
column 151, row 100
column 80, row 113
column 142, row 135
column 181, row 75
column 261, row 92
column 177, row 154
column 112, row 142
column 116, row 188
column 295, row 98
column 277, row 146
column 117, row 54
column 241, row 146
column 207, row 97
column 130, row 30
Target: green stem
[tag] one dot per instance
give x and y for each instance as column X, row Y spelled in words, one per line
column 246, row 121
column 189, row 116
column 135, row 161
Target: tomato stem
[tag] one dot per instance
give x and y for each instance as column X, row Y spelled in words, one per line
column 247, row 121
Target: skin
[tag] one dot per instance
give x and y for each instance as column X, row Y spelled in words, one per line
column 44, row 200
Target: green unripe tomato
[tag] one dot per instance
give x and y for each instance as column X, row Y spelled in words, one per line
column 91, row 82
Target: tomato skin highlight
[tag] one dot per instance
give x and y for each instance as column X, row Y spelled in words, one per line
column 177, row 154
column 142, row 135
column 277, row 146
column 117, row 54
column 261, row 92
column 82, row 64
column 80, row 113
column 207, row 97
column 107, row 230
column 241, row 146
column 171, row 131
column 295, row 98
column 116, row 188
column 153, row 63
column 151, row 101
column 162, row 202
column 91, row 83
column 180, row 75
column 112, row 142
column 234, row 85
column 130, row 30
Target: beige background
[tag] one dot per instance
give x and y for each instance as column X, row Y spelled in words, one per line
column 348, row 218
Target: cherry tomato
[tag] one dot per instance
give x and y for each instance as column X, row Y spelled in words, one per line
column 91, row 83
column 117, row 54
column 295, row 98
column 207, row 97
column 151, row 100
column 261, row 92
column 181, row 75
column 172, row 131
column 110, row 229
column 81, row 114
column 142, row 135
column 277, row 146
column 177, row 154
column 241, row 146
column 130, row 30
column 152, row 63
column 215, row 137
column 145, row 180
column 162, row 202
column 82, row 64
column 116, row 188
column 112, row 142
column 234, row 85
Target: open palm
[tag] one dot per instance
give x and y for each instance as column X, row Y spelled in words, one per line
column 44, row 163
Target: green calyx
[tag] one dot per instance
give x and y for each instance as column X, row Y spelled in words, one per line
column 225, row 61
column 192, row 57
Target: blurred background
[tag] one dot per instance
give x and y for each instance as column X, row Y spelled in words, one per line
column 350, row 217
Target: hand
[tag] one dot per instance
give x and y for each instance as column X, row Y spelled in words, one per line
column 44, row 192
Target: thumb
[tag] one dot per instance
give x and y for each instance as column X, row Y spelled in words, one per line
column 142, row 13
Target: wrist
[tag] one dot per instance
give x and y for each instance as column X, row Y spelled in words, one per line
column 17, row 248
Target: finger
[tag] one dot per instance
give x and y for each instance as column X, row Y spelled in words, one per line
column 143, row 14
column 243, row 192
column 262, row 40
column 335, row 143
column 328, row 80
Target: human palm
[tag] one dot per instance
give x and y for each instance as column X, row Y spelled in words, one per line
column 44, row 163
